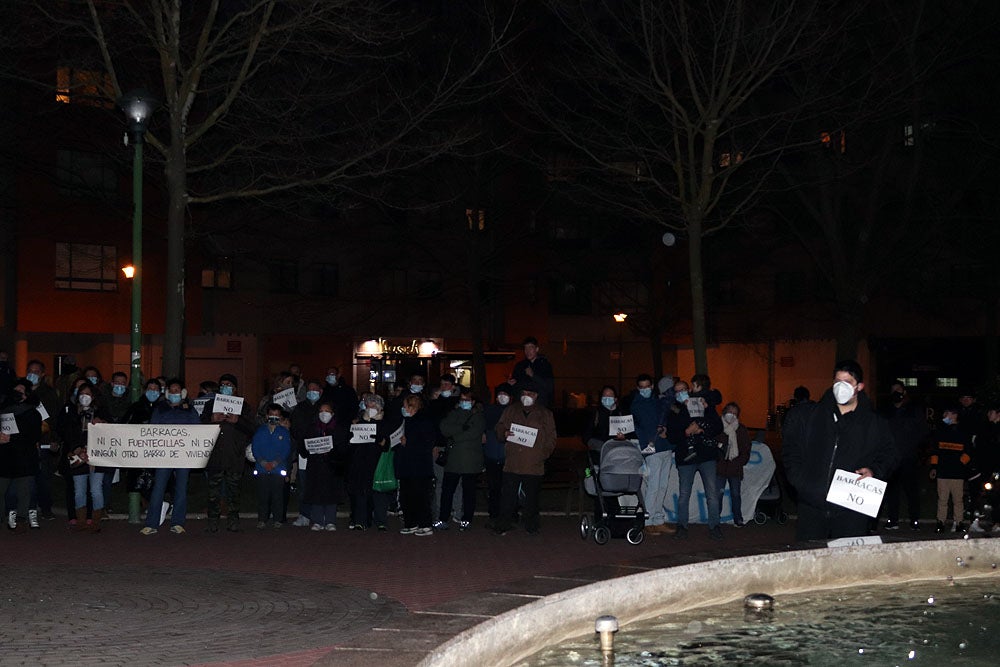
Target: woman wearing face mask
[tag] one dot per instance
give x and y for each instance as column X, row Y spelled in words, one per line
column 598, row 429
column 18, row 453
column 74, row 423
column 414, row 461
column 493, row 451
column 361, row 471
column 733, row 455
column 325, row 482
column 462, row 429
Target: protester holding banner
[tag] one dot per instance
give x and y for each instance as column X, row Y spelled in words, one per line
column 322, row 441
column 302, row 420
column 22, row 429
column 75, row 419
column 174, row 409
column 415, row 467
column 841, row 431
column 228, row 460
column 528, row 429
column 598, row 429
column 364, row 456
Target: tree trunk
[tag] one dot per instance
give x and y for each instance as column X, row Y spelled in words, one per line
column 699, row 332
column 173, row 342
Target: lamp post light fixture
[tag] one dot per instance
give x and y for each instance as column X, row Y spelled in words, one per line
column 620, row 319
column 138, row 107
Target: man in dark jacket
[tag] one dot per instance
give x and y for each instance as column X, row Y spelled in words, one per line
column 225, row 466
column 909, row 429
column 950, row 466
column 534, row 369
column 840, row 431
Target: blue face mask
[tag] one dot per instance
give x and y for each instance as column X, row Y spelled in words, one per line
column 403, row 412
column 446, row 393
column 312, row 396
column 118, row 390
column 608, row 401
column 331, row 379
column 92, row 379
column 682, row 396
column 226, row 390
column 416, row 388
column 152, row 395
column 465, row 405
column 174, row 399
column 33, row 378
column 948, row 421
column 361, row 405
column 645, row 392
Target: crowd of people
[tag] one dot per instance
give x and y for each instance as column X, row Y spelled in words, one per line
column 421, row 451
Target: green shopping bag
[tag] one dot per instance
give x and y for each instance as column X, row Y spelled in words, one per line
column 385, row 473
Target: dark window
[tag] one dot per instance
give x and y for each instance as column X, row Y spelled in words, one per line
column 93, row 268
column 571, row 298
column 392, row 282
column 218, row 275
column 284, row 277
column 81, row 174
column 326, row 279
column 791, row 287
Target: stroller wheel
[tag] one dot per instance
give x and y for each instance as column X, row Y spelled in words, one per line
column 782, row 517
column 760, row 518
column 602, row 534
column 635, row 535
column 585, row 526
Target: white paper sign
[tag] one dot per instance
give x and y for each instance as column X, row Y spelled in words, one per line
column 199, row 403
column 228, row 405
column 42, row 411
column 320, row 445
column 286, row 398
column 363, row 433
column 624, row 425
column 523, row 435
column 151, row 445
column 695, row 407
column 8, row 424
column 861, row 495
column 397, row 435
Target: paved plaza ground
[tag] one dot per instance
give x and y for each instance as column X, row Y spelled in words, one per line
column 292, row 597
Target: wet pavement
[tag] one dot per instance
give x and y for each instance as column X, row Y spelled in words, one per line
column 292, row 596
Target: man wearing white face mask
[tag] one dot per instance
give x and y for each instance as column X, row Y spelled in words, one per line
column 840, row 431
column 526, row 449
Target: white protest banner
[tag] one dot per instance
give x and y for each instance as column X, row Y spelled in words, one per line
column 695, row 407
column 523, row 435
column 42, row 411
column 363, row 433
column 397, row 435
column 849, row 490
column 228, row 405
column 320, row 445
column 8, row 425
column 624, row 425
column 150, row 445
column 286, row 398
column 199, row 404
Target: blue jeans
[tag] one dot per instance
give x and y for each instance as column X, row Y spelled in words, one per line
column 96, row 482
column 654, row 489
column 162, row 477
column 685, row 476
column 735, row 489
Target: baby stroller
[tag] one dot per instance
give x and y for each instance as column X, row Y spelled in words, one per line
column 615, row 481
column 770, row 503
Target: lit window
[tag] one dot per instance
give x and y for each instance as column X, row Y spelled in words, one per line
column 219, row 275
column 831, row 139
column 946, row 382
column 908, row 382
column 908, row 138
column 476, row 219
column 729, row 159
column 80, row 86
column 92, row 268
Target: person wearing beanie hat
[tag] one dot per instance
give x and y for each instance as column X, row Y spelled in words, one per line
column 228, row 459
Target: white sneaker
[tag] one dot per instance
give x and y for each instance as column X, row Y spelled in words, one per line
column 331, row 527
column 33, row 518
column 148, row 531
column 424, row 532
column 317, row 527
column 177, row 530
column 12, row 520
column 301, row 522
column 408, row 531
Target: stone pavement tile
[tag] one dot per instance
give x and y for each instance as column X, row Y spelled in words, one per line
column 540, row 586
column 482, row 605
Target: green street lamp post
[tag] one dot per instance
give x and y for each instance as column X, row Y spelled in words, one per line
column 138, row 106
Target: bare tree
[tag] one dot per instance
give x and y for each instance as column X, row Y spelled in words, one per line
column 671, row 103
column 263, row 96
